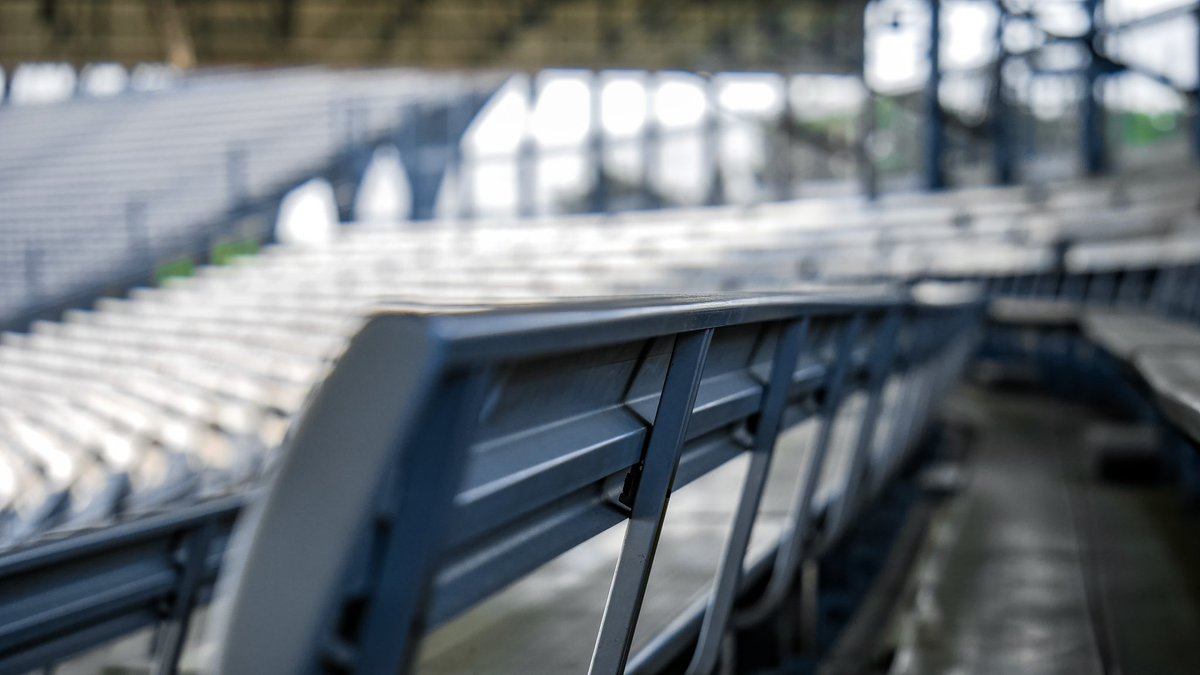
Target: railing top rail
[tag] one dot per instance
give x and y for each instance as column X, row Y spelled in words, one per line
column 544, row 328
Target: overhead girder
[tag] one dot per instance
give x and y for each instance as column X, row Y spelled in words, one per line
column 807, row 35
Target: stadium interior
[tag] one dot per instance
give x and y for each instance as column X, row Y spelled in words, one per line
column 783, row 337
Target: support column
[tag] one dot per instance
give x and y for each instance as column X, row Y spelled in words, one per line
column 600, row 189
column 235, row 174
column 1095, row 155
column 866, row 137
column 527, row 162
column 935, row 132
column 651, row 146
column 356, row 159
column 1003, row 155
column 715, row 190
column 430, row 143
column 787, row 167
column 137, row 233
column 1196, row 97
column 463, row 111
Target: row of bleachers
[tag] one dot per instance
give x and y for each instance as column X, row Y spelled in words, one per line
column 182, row 395
column 219, row 364
column 93, row 187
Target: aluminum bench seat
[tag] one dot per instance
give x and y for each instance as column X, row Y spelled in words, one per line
column 217, row 433
column 121, row 448
column 1173, row 375
column 220, row 377
column 1036, row 312
column 172, row 389
column 70, row 489
column 1164, row 250
column 1125, row 335
column 272, row 364
column 277, row 337
column 174, row 301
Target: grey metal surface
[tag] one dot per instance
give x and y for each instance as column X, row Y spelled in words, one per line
column 1035, row 312
column 1127, row 334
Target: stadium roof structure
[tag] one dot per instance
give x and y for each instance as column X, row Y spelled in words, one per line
column 803, row 35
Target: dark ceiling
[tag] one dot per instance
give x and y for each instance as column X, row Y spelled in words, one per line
column 801, row 35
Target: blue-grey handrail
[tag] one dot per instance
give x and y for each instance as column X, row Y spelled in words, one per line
column 411, row 437
column 63, row 597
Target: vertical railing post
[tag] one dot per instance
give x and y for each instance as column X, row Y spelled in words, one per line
column 656, row 474
column 793, row 539
column 882, row 350
column 192, row 558
column 905, row 413
column 729, row 574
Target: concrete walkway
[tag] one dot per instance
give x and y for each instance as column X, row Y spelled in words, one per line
column 1037, row 567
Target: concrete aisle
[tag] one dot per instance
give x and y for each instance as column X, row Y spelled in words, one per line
column 1043, row 569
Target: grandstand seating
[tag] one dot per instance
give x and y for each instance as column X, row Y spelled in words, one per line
column 141, row 424
column 96, row 189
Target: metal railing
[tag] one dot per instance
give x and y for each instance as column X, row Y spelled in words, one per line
column 485, row 443
column 550, row 427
